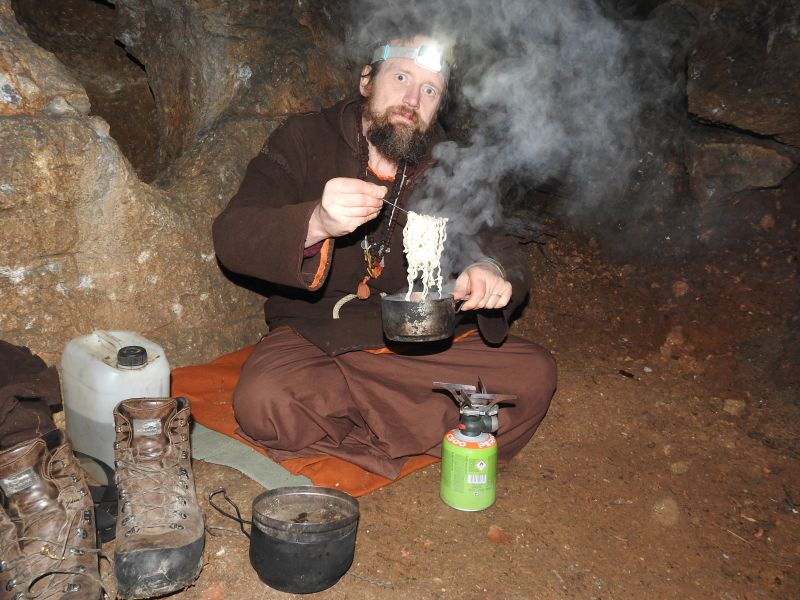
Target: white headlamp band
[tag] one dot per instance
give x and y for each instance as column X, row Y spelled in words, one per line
column 427, row 56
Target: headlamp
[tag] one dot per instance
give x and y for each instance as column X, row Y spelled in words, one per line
column 427, row 56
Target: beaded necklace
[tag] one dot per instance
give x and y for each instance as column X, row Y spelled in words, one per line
column 374, row 248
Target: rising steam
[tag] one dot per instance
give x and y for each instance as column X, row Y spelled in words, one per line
column 551, row 94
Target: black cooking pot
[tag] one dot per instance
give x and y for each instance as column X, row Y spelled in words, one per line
column 418, row 319
column 302, row 539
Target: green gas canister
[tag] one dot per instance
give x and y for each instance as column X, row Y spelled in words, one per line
column 469, row 452
column 469, row 470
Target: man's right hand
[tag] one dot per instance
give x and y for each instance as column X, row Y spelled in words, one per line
column 345, row 205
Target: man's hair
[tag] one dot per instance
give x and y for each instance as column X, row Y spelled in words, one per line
column 374, row 67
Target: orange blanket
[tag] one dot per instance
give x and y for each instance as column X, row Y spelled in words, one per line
column 210, row 387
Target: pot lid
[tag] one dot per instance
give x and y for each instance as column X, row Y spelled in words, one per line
column 308, row 509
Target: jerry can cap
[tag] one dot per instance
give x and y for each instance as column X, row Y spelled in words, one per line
column 131, row 357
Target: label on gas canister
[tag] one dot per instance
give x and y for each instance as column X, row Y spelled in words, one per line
column 469, row 470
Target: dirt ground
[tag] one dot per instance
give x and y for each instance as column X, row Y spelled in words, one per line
column 667, row 466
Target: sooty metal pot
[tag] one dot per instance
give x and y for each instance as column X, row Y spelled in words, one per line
column 418, row 319
column 302, row 539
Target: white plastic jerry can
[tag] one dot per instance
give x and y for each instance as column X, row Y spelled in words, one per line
column 97, row 372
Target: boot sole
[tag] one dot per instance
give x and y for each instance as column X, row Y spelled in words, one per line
column 152, row 572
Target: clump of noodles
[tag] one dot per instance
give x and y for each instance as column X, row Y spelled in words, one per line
column 423, row 242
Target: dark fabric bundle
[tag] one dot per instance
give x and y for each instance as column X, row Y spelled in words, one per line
column 29, row 392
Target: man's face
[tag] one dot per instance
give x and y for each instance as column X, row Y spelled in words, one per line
column 403, row 99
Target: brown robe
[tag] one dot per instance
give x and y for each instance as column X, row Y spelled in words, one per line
column 262, row 232
column 297, row 394
column 29, row 392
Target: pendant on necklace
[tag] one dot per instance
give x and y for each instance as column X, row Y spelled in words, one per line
column 374, row 264
column 374, row 270
column 363, row 292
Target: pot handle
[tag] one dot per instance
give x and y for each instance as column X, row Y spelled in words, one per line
column 238, row 516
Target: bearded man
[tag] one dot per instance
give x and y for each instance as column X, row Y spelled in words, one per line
column 316, row 217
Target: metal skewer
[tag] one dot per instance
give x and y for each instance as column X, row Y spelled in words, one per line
column 394, row 205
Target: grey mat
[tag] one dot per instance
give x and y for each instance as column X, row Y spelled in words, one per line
column 220, row 449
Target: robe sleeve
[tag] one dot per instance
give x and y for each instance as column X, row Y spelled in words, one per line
column 494, row 324
column 262, row 231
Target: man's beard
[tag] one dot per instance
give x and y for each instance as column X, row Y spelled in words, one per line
column 397, row 142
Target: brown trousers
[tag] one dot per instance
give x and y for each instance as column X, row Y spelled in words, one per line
column 375, row 410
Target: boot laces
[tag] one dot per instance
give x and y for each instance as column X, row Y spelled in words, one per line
column 44, row 570
column 161, row 498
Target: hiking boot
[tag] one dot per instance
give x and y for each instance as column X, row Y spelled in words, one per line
column 48, row 543
column 160, row 529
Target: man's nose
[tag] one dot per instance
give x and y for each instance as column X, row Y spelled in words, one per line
column 411, row 98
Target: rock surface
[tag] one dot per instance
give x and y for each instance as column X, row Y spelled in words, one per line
column 747, row 82
column 109, row 198
column 116, row 85
column 91, row 245
column 744, row 70
column 721, row 164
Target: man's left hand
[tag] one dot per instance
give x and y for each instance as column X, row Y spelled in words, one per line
column 481, row 285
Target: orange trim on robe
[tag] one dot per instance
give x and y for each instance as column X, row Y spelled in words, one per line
column 324, row 259
column 388, row 178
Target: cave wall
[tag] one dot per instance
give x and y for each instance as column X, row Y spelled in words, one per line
column 81, row 35
column 718, row 83
column 90, row 242
column 88, row 245
column 743, row 85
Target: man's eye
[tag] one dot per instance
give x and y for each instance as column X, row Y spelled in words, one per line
column 400, row 77
column 430, row 91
